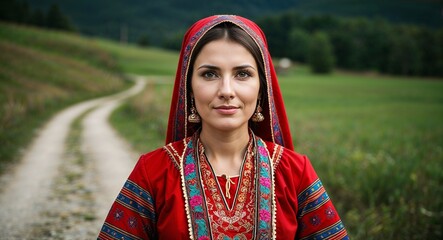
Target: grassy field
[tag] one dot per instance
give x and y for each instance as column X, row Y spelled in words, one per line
column 375, row 141
column 143, row 61
column 42, row 72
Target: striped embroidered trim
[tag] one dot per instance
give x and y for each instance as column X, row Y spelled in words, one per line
column 185, row 195
column 276, row 156
column 111, row 232
column 315, row 204
column 198, row 220
column 176, row 158
column 336, row 231
column 137, row 199
column 312, row 198
column 277, row 153
column 266, row 207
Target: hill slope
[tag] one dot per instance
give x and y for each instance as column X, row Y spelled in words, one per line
column 42, row 72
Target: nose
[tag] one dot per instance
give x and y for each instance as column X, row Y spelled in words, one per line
column 226, row 90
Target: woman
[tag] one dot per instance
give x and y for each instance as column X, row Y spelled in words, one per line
column 228, row 170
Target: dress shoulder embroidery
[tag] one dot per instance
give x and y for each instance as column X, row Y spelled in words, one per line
column 276, row 155
column 176, row 152
column 275, row 152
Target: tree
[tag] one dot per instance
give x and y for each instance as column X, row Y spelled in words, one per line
column 298, row 43
column 14, row 11
column 143, row 41
column 345, row 49
column 277, row 35
column 38, row 18
column 57, row 20
column 432, row 57
column 405, row 56
column 173, row 41
column 320, row 56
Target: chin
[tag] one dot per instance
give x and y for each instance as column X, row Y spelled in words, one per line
column 228, row 126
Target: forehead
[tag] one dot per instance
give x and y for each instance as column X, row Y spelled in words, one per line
column 224, row 52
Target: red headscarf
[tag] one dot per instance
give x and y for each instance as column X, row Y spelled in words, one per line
column 274, row 128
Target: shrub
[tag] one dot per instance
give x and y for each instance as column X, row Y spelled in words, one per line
column 320, row 56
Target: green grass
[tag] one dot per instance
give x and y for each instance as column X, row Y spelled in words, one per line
column 42, row 72
column 144, row 118
column 375, row 141
column 68, row 45
column 142, row 61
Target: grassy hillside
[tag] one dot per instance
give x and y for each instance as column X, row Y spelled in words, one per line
column 160, row 19
column 143, row 61
column 44, row 71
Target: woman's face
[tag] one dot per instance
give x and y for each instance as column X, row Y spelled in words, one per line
column 225, row 85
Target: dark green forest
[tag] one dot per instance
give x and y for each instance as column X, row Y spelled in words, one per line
column 360, row 44
column 166, row 18
column 402, row 37
column 20, row 12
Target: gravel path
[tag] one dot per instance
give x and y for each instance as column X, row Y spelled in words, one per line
column 63, row 191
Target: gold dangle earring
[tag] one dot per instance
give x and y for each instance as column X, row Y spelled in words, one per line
column 193, row 117
column 258, row 116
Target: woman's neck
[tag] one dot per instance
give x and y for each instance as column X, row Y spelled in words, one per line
column 225, row 150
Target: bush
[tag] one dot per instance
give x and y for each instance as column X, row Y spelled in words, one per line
column 143, row 41
column 298, row 43
column 320, row 56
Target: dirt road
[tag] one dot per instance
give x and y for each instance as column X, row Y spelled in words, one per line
column 61, row 190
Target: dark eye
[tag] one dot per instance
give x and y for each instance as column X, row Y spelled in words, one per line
column 243, row 74
column 209, row 75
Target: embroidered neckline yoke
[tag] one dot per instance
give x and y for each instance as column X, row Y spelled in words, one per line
column 209, row 217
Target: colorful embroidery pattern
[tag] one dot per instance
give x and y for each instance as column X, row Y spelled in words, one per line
column 197, row 214
column 236, row 221
column 265, row 193
column 316, row 213
column 137, row 199
column 112, row 232
column 312, row 198
column 198, row 202
column 336, row 231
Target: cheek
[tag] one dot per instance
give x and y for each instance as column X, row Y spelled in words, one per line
column 253, row 92
column 250, row 99
column 203, row 92
column 202, row 96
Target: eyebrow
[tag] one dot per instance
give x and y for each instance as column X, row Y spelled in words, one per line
column 209, row 66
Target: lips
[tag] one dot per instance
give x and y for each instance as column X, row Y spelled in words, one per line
column 226, row 109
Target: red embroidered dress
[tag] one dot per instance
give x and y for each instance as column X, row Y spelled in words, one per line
column 233, row 219
column 173, row 192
